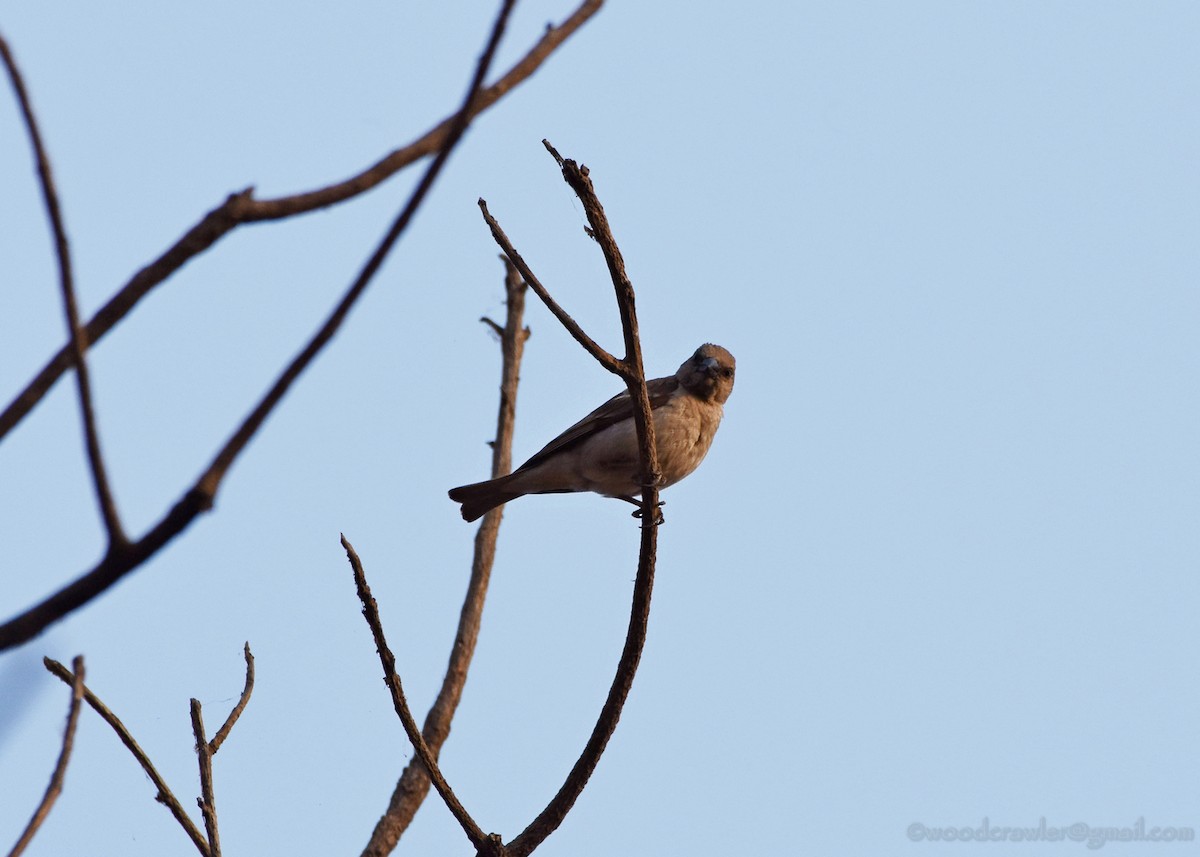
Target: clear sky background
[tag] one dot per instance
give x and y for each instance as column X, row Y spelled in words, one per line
column 942, row 563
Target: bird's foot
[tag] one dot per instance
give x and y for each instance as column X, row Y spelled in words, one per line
column 640, row 512
column 641, row 508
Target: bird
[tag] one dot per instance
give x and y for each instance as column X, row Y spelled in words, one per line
column 600, row 452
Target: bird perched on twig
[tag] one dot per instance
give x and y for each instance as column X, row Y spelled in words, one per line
column 600, row 452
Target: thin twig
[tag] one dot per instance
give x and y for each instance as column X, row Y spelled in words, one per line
column 54, row 789
column 608, row 361
column 164, row 795
column 392, row 680
column 241, row 208
column 215, row 744
column 413, row 784
column 370, row 609
column 631, row 370
column 635, row 374
column 207, row 800
column 125, row 558
column 78, row 345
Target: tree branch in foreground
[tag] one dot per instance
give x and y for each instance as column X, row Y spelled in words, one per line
column 124, row 558
column 54, row 789
column 77, row 344
column 241, row 208
column 413, row 785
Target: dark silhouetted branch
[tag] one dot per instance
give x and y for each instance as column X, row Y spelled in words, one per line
column 54, row 789
column 77, row 344
column 123, row 559
column 240, row 208
column 413, row 784
column 164, row 795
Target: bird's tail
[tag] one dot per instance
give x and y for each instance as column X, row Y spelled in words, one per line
column 480, row 498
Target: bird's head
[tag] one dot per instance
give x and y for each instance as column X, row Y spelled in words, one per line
column 708, row 374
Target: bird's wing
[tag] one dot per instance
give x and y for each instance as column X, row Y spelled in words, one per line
column 616, row 409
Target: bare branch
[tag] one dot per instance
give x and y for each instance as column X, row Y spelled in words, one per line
column 241, row 208
column 54, row 789
column 392, row 680
column 164, row 796
column 631, row 370
column 77, row 345
column 608, row 361
column 215, row 744
column 123, row 559
column 207, row 801
column 496, row 329
column 413, row 784
column 635, row 373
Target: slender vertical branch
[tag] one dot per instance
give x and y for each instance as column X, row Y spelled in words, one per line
column 392, row 679
column 207, row 800
column 164, row 795
column 413, row 785
column 549, row 819
column 78, row 343
column 55, row 787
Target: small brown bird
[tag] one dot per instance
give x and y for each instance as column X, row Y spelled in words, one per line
column 600, row 452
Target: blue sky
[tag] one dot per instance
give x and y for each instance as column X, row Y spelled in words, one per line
column 941, row 564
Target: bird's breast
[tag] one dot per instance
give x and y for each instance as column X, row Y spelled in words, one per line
column 684, row 429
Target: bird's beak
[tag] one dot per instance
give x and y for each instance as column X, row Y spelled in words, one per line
column 709, row 365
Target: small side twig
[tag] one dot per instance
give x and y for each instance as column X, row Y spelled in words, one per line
column 392, row 679
column 215, row 744
column 164, row 796
column 207, row 800
column 608, row 361
column 413, row 785
column 55, row 787
column 78, row 344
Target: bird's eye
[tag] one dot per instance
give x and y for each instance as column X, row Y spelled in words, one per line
column 727, row 372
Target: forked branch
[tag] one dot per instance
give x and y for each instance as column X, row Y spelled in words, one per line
column 631, row 370
column 124, row 558
column 413, row 785
column 164, row 795
column 241, row 208
column 210, row 845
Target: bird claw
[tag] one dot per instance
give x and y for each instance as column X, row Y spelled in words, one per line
column 640, row 513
